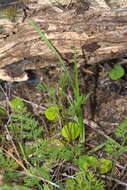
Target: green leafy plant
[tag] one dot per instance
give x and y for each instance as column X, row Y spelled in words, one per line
column 117, row 72
column 84, row 181
column 23, row 127
column 91, row 162
column 79, row 99
column 70, row 131
column 22, row 122
column 105, row 165
column 75, row 104
column 115, row 149
column 121, row 131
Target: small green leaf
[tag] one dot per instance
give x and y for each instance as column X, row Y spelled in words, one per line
column 52, row 113
column 17, row 104
column 70, row 131
column 117, row 72
column 105, row 165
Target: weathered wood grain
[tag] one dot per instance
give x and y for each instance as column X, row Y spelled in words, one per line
column 98, row 35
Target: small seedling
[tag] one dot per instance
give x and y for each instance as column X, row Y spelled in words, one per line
column 70, row 131
column 79, row 99
column 117, row 72
column 115, row 149
column 91, row 162
column 85, row 181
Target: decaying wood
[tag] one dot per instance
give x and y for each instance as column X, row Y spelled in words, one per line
column 98, row 35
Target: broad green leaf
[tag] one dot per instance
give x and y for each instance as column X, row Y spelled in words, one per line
column 105, row 165
column 52, row 113
column 70, row 131
column 117, row 72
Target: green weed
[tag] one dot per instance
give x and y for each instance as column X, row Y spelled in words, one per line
column 79, row 99
column 84, row 181
column 117, row 72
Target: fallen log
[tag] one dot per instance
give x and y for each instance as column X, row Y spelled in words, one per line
column 97, row 35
